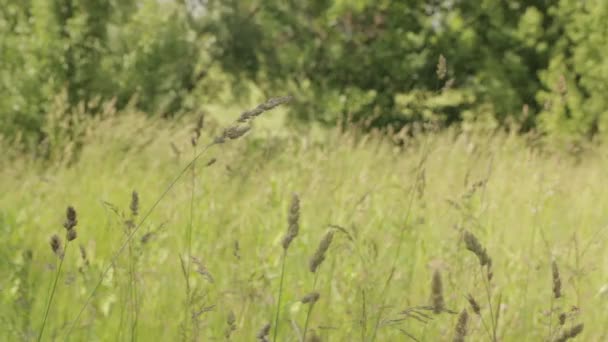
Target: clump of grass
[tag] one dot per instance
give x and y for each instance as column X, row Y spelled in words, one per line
column 231, row 133
column 293, row 227
column 461, row 327
column 56, row 246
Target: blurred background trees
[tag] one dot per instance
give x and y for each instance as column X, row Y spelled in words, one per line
column 537, row 63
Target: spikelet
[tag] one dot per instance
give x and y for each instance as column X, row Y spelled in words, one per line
column 461, row 327
column 317, row 259
column 84, row 257
column 437, row 301
column 562, row 318
column 311, row 298
column 474, row 246
column 570, row 333
column 293, row 219
column 231, row 322
column 56, row 245
column 266, row 106
column 134, row 204
column 263, row 333
column 71, row 220
column 197, row 129
column 202, row 270
column 71, row 234
column 70, row 224
column 557, row 282
column 474, row 305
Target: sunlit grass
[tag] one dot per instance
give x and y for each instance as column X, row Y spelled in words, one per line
column 526, row 207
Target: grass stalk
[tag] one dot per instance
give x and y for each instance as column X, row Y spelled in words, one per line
column 278, row 309
column 389, row 279
column 310, row 307
column 52, row 293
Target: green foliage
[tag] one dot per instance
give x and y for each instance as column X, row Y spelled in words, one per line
column 511, row 197
column 95, row 50
column 364, row 60
column 356, row 58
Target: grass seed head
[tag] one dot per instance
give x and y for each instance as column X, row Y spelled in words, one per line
column 83, row 255
column 474, row 305
column 264, row 107
column 474, row 246
column 311, row 298
column 71, row 234
column 134, row 203
column 437, row 300
column 263, row 333
column 461, row 327
column 231, row 322
column 293, row 221
column 197, row 129
column 71, row 220
column 557, row 282
column 56, row 245
column 317, row 259
column 570, row 333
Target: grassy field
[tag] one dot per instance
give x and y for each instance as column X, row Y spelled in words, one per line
column 399, row 266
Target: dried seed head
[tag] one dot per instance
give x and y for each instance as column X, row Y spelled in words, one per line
column 461, row 327
column 134, row 203
column 570, row 333
column 317, row 259
column 293, row 219
column 474, row 305
column 557, row 282
column 441, row 67
column 437, row 301
column 263, row 333
column 56, row 245
column 71, row 234
column 71, row 220
column 474, row 246
column 311, row 298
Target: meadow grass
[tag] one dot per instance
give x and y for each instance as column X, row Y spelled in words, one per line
column 529, row 209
